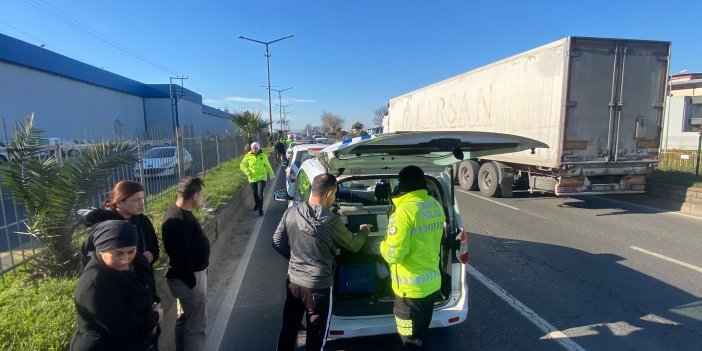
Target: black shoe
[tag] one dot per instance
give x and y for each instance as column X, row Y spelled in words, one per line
column 260, row 212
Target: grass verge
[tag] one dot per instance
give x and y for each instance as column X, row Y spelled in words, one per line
column 36, row 315
column 40, row 314
column 675, row 177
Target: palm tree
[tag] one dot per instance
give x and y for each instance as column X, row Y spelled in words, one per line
column 52, row 192
column 250, row 124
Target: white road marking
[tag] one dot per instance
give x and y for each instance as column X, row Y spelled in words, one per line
column 216, row 335
column 501, row 204
column 621, row 328
column 551, row 332
column 666, row 258
column 486, row 199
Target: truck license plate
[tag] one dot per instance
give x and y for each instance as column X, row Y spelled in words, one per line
column 601, row 187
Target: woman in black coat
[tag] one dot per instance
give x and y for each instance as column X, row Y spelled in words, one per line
column 116, row 302
column 126, row 202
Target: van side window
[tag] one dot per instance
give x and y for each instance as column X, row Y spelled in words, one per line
column 304, row 187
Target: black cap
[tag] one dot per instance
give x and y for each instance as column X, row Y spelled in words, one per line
column 411, row 178
column 114, row 234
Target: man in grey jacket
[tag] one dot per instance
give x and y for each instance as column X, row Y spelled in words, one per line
column 308, row 236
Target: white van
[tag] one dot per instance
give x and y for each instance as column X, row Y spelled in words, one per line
column 366, row 168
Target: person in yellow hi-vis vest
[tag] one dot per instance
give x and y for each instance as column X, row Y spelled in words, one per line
column 257, row 168
column 411, row 248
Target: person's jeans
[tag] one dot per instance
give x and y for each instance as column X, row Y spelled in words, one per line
column 257, row 188
column 192, row 312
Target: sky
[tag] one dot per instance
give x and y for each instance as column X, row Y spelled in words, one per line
column 345, row 57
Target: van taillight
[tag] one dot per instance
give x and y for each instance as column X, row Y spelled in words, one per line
column 292, row 175
column 462, row 253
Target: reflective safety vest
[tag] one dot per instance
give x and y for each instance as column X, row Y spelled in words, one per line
column 256, row 167
column 288, row 141
column 412, row 244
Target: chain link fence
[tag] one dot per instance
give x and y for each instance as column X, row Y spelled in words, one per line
column 680, row 154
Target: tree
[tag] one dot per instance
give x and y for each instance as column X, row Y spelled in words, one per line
column 378, row 115
column 250, row 124
column 51, row 192
column 357, row 127
column 331, row 123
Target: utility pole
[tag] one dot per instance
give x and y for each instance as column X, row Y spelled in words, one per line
column 280, row 104
column 268, row 70
column 176, row 93
column 285, row 118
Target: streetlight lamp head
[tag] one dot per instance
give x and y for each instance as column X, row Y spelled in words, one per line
column 240, row 36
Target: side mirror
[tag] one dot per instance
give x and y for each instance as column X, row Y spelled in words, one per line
column 282, row 195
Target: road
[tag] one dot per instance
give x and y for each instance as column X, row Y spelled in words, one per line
column 546, row 273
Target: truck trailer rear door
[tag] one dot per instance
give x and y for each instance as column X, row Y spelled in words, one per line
column 614, row 99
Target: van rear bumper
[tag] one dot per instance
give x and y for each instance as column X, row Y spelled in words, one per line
column 453, row 313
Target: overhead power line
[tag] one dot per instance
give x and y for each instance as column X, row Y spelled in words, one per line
column 67, row 19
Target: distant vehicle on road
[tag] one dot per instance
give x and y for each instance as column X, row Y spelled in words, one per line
column 300, row 153
column 162, row 162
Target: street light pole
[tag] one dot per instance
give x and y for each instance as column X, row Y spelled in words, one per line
column 268, row 71
column 280, row 104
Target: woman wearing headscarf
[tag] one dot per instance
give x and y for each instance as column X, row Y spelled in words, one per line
column 126, row 202
column 115, row 298
column 257, row 168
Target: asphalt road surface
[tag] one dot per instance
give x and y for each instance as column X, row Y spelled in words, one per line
column 545, row 273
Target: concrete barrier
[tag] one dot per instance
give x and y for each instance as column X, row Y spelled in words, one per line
column 686, row 200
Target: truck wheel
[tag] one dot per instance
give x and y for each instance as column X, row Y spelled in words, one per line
column 468, row 174
column 488, row 180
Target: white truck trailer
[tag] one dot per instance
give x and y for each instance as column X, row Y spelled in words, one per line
column 597, row 103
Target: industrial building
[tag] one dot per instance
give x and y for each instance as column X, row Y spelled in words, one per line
column 73, row 100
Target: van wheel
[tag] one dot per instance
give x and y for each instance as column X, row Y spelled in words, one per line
column 488, row 180
column 467, row 175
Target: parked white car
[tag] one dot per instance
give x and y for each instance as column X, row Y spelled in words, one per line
column 367, row 169
column 300, row 153
column 3, row 153
column 163, row 162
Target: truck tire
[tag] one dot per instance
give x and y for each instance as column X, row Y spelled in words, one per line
column 488, row 180
column 468, row 175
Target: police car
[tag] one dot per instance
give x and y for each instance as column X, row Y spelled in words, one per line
column 367, row 168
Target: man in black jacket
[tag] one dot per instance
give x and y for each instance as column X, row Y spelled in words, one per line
column 308, row 236
column 188, row 249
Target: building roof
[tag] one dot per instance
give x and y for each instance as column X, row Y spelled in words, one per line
column 17, row 52
column 214, row 112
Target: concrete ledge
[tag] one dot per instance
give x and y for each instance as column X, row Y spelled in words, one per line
column 687, row 200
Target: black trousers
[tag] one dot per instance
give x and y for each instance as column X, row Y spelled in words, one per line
column 258, row 188
column 413, row 316
column 317, row 304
